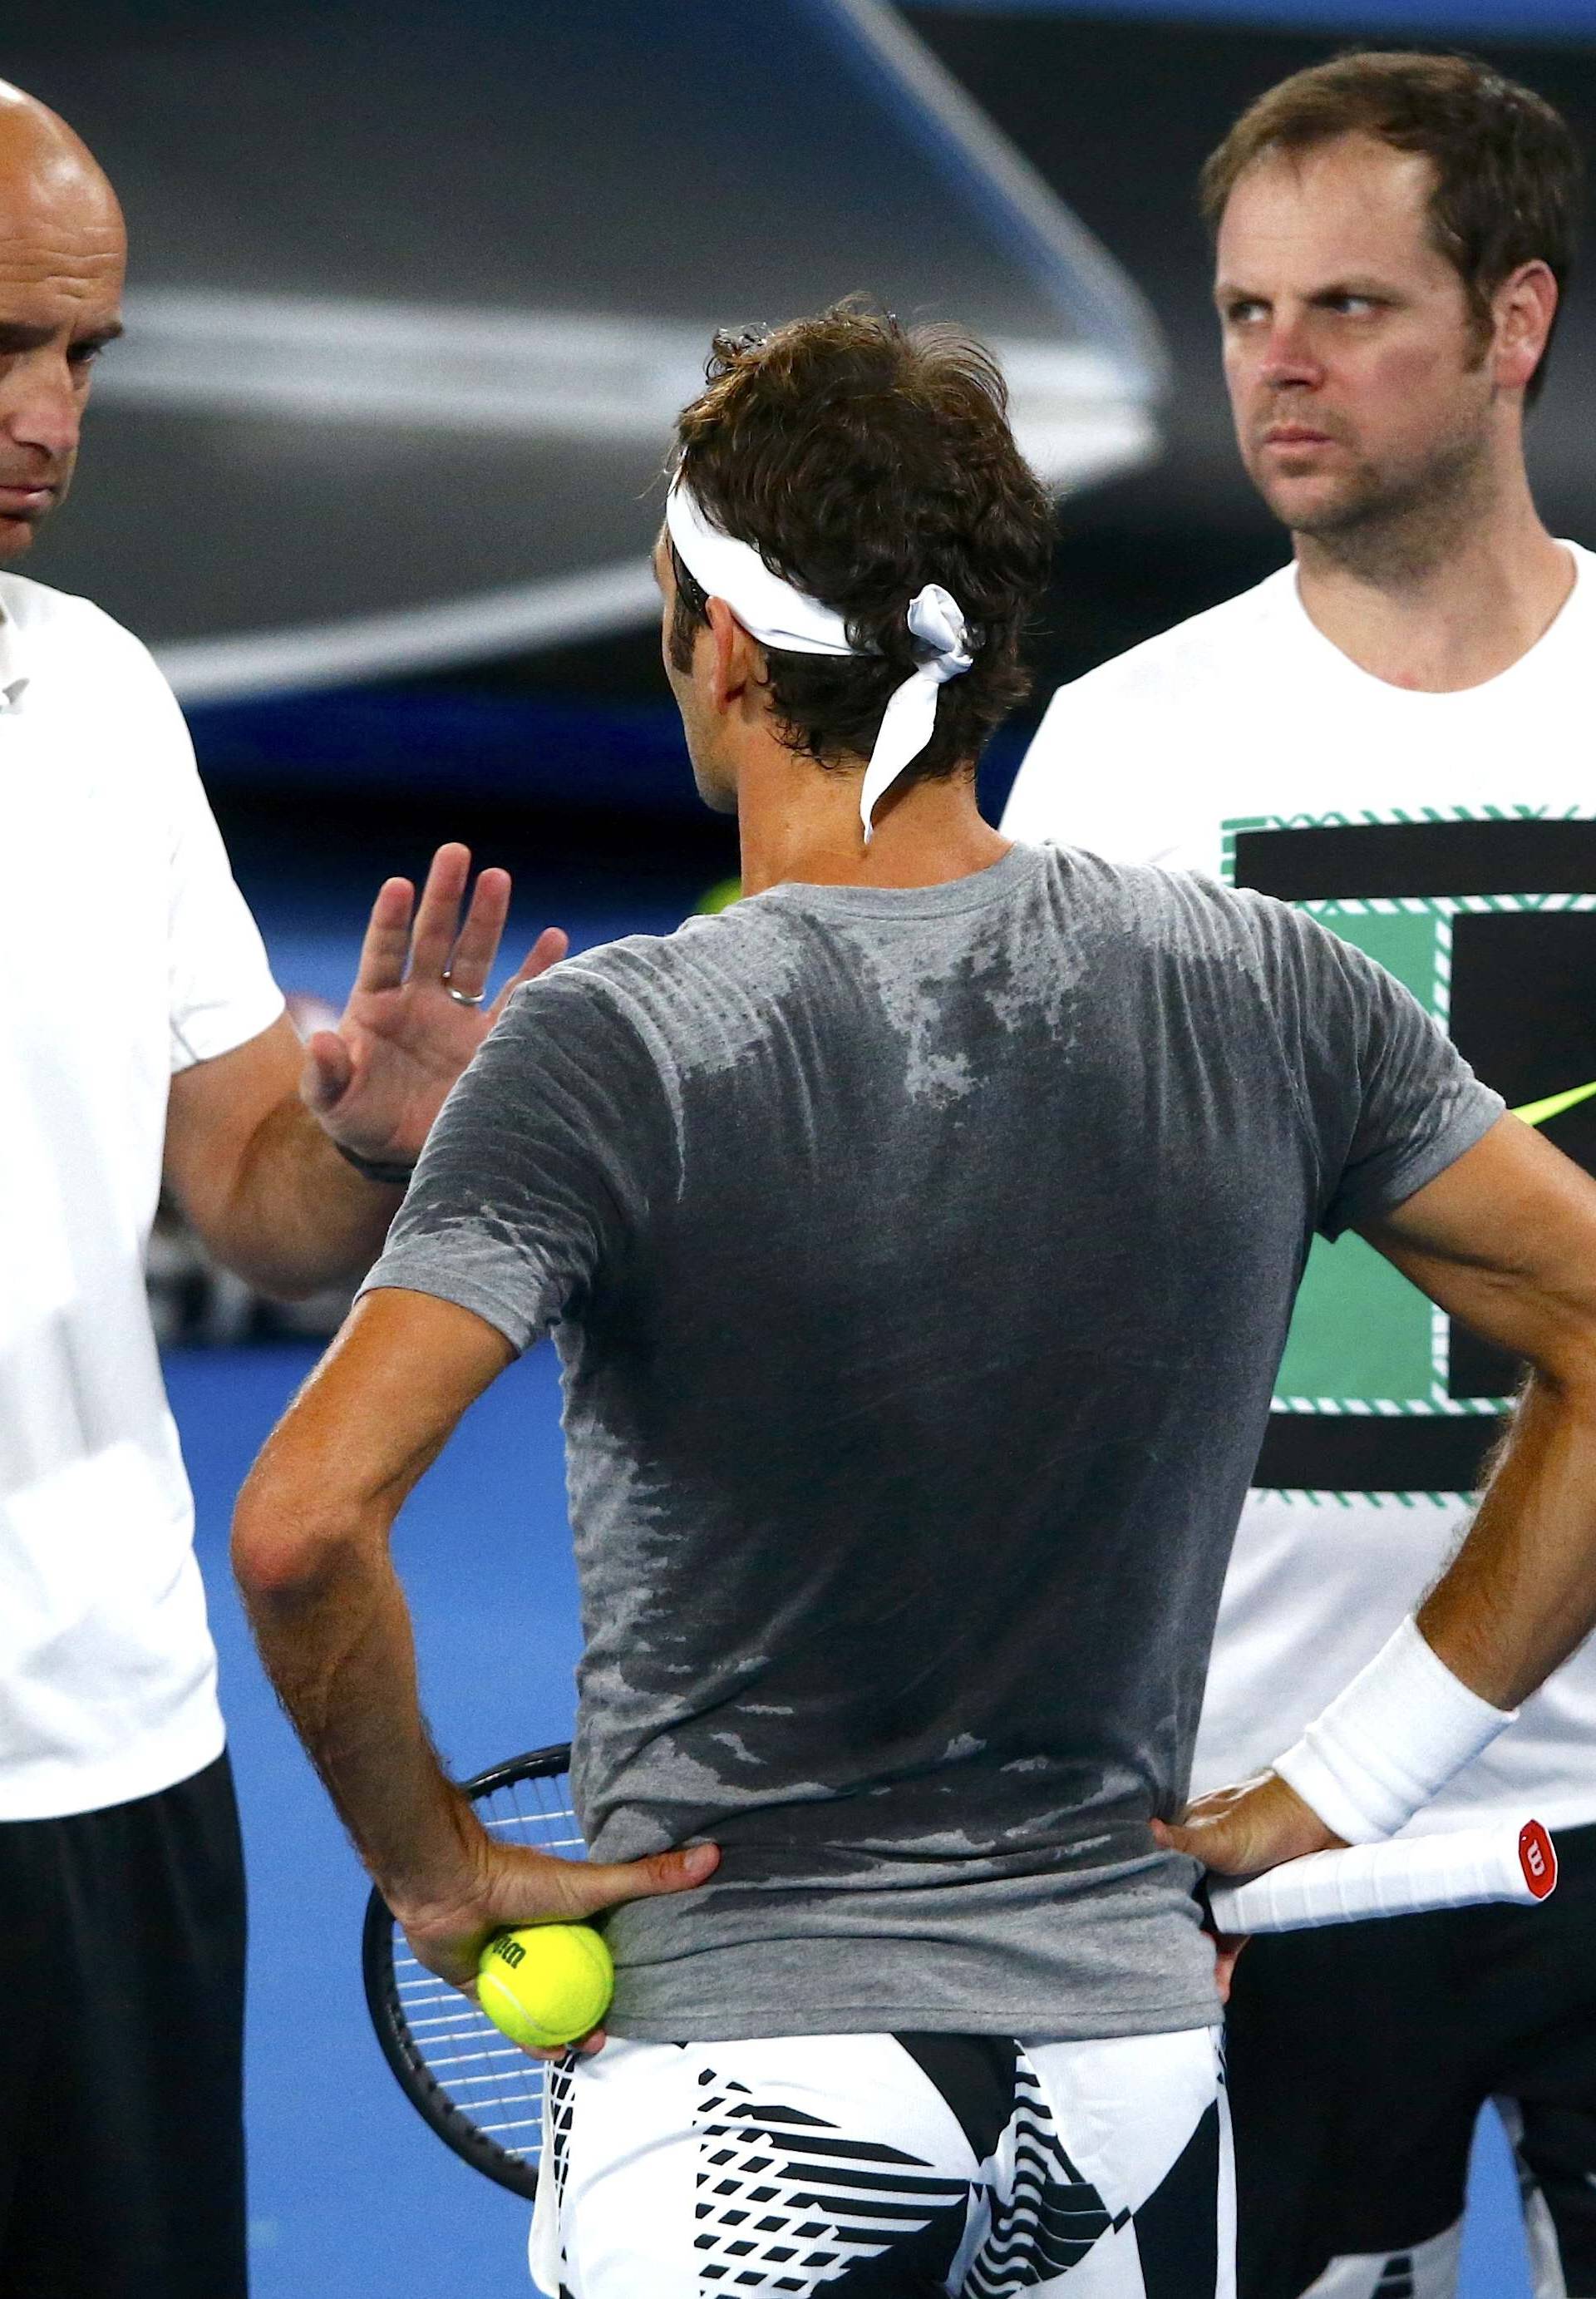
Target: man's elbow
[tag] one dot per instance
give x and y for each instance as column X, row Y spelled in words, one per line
column 287, row 1546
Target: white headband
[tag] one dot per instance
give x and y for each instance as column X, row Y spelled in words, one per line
column 793, row 623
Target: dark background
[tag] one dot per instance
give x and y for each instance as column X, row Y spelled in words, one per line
column 1118, row 115
column 1116, row 111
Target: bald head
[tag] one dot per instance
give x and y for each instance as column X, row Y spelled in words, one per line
column 62, row 254
column 42, row 158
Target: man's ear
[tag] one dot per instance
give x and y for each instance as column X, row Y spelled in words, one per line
column 737, row 663
column 1523, row 307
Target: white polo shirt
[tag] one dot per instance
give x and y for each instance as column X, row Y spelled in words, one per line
column 127, row 953
column 1453, row 837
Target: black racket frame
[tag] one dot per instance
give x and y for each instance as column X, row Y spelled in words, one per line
column 410, row 2070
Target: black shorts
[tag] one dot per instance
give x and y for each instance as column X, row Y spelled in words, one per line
column 1360, row 2056
column 121, row 2129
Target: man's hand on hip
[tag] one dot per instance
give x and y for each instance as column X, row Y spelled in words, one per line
column 1241, row 1830
column 515, row 1886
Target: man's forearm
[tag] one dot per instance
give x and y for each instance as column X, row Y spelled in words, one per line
column 1515, row 1600
column 1504, row 1240
column 1518, row 1599
column 310, row 1551
column 333, row 1632
column 1520, row 1595
column 300, row 1215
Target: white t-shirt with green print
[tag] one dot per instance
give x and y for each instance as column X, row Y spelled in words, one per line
column 1453, row 837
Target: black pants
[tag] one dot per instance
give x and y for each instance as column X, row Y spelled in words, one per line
column 121, row 1963
column 1359, row 2056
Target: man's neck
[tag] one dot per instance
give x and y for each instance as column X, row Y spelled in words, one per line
column 1438, row 612
column 799, row 823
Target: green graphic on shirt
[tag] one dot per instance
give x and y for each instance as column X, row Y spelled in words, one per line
column 1357, row 1319
column 1489, row 918
column 1361, row 1331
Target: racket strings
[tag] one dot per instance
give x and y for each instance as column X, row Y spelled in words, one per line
column 486, row 2079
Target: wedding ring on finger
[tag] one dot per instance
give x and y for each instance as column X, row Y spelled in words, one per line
column 460, row 997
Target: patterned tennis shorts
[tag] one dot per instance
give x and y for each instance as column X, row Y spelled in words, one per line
column 889, row 2167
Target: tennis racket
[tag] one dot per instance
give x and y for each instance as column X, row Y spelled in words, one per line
column 481, row 2093
column 1461, row 1869
column 484, row 2098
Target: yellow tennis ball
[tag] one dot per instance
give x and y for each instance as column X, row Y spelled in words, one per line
column 546, row 1984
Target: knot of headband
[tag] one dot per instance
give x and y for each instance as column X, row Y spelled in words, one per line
column 791, row 622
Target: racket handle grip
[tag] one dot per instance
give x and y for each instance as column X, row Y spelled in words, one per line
column 1512, row 1861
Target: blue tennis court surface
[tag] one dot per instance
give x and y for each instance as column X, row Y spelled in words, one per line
column 352, row 2197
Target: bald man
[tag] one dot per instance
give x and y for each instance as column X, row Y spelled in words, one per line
column 141, row 1036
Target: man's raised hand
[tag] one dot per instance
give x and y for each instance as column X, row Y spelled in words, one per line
column 415, row 1016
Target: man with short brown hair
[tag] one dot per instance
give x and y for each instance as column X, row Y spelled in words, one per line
column 1393, row 731
column 1504, row 178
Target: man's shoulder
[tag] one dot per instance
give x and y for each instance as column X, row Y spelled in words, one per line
column 638, row 976
column 1203, row 650
column 1130, row 759
column 710, row 958
column 1156, row 903
column 628, row 1019
column 61, row 622
column 39, row 607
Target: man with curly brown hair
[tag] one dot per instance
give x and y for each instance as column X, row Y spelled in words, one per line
column 919, row 1237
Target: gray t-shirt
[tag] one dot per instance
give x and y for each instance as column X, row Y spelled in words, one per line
column 919, row 1264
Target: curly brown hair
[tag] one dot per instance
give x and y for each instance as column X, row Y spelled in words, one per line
column 863, row 459
column 1509, row 177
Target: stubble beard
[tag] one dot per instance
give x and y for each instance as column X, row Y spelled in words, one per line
column 1391, row 527
column 17, row 536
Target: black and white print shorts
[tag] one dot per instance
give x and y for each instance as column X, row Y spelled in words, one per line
column 889, row 2167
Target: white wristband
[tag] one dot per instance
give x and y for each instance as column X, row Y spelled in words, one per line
column 1391, row 1741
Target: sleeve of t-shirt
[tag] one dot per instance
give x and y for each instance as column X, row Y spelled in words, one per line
column 220, row 986
column 1391, row 1101
column 541, row 1164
